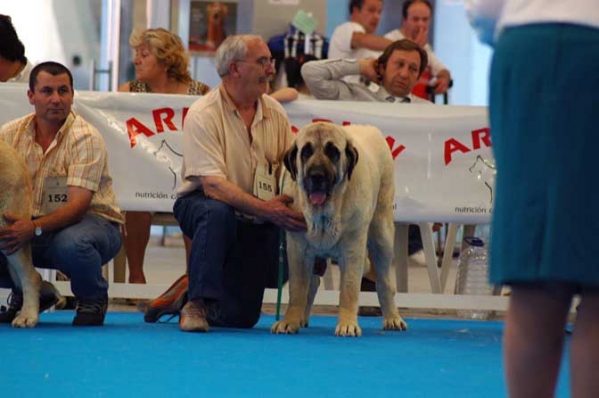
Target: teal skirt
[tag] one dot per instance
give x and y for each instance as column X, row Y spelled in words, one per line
column 544, row 111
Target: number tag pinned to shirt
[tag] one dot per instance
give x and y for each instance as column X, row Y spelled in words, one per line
column 265, row 183
column 55, row 194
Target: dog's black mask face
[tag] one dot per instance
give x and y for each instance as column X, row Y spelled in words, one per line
column 320, row 166
column 319, row 160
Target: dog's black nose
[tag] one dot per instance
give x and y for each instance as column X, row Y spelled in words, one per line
column 317, row 179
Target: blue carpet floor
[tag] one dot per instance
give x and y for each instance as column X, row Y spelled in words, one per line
column 129, row 358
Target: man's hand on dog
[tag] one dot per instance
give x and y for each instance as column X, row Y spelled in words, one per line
column 17, row 234
column 283, row 216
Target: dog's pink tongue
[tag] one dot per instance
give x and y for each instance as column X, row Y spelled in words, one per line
column 318, row 198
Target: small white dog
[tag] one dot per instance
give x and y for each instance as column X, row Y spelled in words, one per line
column 342, row 181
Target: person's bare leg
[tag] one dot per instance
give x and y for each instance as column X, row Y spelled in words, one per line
column 370, row 274
column 533, row 341
column 369, row 271
column 584, row 349
column 137, row 236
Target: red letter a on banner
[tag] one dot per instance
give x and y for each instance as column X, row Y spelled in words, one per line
column 452, row 145
column 135, row 127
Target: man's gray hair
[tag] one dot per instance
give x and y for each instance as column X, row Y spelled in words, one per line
column 232, row 49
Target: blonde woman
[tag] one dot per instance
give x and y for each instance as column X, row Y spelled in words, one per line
column 161, row 66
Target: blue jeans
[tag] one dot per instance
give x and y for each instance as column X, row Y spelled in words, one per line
column 78, row 251
column 231, row 261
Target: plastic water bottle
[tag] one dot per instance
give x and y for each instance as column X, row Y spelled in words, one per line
column 472, row 276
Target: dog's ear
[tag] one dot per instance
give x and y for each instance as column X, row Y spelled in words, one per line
column 351, row 154
column 289, row 161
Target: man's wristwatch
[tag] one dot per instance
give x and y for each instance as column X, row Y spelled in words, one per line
column 37, row 230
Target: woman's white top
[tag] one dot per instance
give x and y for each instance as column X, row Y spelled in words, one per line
column 490, row 17
column 520, row 12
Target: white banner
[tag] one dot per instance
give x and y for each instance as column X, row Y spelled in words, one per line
column 444, row 168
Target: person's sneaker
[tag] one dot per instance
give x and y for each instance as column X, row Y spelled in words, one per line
column 91, row 312
column 49, row 296
column 169, row 302
column 418, row 259
column 193, row 317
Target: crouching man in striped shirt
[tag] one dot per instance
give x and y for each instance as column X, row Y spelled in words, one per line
column 75, row 225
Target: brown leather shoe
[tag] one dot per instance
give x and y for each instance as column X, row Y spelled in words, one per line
column 193, row 317
column 91, row 311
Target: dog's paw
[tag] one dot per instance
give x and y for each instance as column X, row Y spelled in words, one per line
column 348, row 329
column 285, row 327
column 25, row 320
column 395, row 323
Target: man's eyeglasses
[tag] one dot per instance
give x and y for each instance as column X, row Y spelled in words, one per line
column 264, row 62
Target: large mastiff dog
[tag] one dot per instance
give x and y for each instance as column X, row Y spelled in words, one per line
column 16, row 198
column 342, row 181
